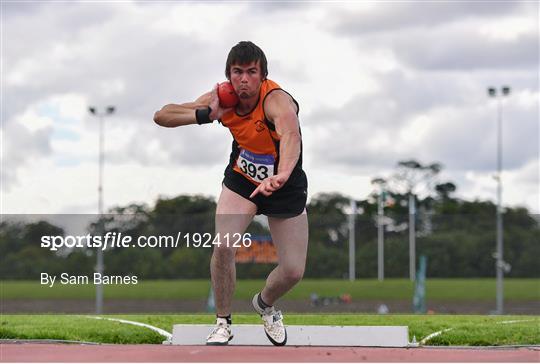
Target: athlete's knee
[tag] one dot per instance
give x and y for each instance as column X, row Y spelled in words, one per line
column 224, row 252
column 293, row 274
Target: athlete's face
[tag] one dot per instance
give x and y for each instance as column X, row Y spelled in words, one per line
column 246, row 79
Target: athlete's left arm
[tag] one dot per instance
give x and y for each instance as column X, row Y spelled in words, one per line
column 281, row 110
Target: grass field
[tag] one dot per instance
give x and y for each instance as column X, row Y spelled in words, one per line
column 465, row 330
column 436, row 289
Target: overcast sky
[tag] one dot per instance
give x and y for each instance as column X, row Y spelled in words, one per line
column 377, row 82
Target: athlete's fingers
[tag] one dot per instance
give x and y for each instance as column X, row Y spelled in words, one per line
column 269, row 192
column 214, row 101
column 256, row 191
column 266, row 188
column 275, row 183
column 214, row 94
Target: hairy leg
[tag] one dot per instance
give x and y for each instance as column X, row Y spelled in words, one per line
column 291, row 239
column 233, row 215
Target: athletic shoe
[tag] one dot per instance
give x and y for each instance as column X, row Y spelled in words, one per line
column 273, row 323
column 221, row 335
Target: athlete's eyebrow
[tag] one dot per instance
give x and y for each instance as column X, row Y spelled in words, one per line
column 238, row 68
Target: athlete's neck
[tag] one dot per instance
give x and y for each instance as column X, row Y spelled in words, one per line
column 247, row 105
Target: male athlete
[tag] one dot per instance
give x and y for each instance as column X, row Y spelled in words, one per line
column 264, row 176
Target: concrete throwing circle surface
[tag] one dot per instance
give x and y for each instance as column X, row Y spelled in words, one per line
column 32, row 352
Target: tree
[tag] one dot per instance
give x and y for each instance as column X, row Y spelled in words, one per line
column 444, row 190
column 413, row 177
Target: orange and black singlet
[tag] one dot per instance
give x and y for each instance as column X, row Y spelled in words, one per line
column 255, row 156
column 255, row 148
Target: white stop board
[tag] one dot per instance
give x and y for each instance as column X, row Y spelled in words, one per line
column 297, row 335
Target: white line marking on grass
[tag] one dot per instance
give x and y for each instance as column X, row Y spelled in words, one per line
column 435, row 334
column 513, row 321
column 431, row 336
column 162, row 332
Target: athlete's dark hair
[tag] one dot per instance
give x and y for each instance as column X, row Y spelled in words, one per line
column 243, row 53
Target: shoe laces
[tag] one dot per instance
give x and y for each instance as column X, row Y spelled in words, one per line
column 273, row 317
column 220, row 326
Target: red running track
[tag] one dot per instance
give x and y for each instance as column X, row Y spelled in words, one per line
column 168, row 353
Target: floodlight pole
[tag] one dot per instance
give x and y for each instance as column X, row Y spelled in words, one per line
column 380, row 235
column 352, row 239
column 412, row 237
column 499, row 257
column 101, row 159
column 381, row 183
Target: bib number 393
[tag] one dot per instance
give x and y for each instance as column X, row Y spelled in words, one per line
column 256, row 166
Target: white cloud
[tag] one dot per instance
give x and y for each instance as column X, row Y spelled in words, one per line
column 510, row 28
column 33, row 120
column 520, row 187
column 377, row 83
column 41, row 192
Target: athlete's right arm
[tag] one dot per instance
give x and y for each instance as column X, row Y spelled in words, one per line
column 174, row 115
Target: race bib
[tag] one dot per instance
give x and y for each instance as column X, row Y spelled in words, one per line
column 256, row 166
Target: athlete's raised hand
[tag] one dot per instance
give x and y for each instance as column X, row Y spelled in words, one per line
column 217, row 110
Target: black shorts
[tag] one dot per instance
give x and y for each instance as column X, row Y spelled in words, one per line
column 288, row 201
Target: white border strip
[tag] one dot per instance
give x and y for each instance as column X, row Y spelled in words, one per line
column 162, row 332
column 46, row 341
